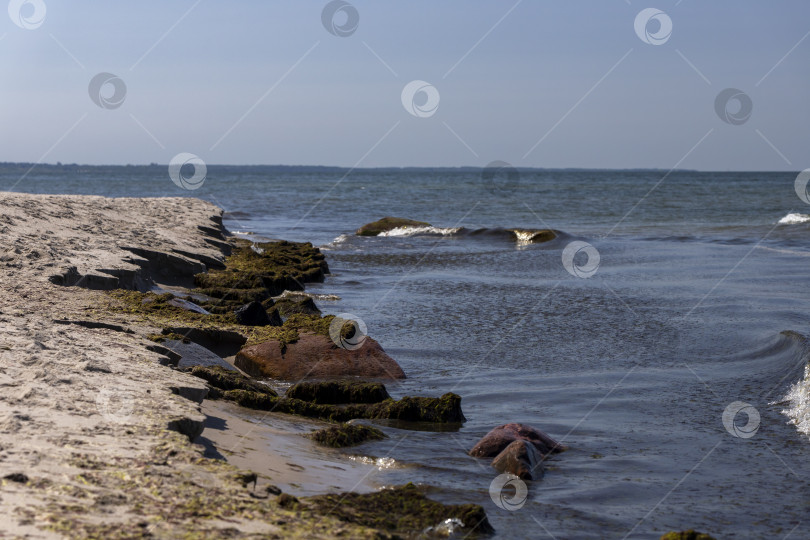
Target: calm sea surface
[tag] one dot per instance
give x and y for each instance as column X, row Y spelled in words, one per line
column 633, row 368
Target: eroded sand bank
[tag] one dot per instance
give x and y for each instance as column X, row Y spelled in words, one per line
column 85, row 406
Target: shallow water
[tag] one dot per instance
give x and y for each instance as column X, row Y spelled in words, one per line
column 632, row 368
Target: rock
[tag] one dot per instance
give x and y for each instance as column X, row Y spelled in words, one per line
column 272, row 489
column 315, row 356
column 404, row 511
column 334, row 392
column 285, row 500
column 224, row 380
column 687, row 535
column 292, row 305
column 494, row 442
column 192, row 393
column 386, row 224
column 445, row 409
column 193, row 355
column 254, row 314
column 520, row 458
column 346, row 435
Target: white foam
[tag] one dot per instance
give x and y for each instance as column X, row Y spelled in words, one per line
column 410, row 231
column 794, row 219
column 380, row 463
column 244, row 233
column 339, row 240
column 798, row 399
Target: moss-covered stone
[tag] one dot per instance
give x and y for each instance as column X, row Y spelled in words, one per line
column 446, row 409
column 335, row 392
column 294, row 305
column 272, row 266
column 402, row 510
column 224, row 379
column 345, row 435
column 386, row 224
column 687, row 535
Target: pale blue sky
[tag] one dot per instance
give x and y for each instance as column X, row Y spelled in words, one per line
column 339, row 104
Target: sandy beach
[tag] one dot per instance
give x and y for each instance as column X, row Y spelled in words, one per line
column 96, row 427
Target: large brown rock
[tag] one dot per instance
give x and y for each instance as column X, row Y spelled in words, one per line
column 520, row 458
column 315, row 356
column 494, row 442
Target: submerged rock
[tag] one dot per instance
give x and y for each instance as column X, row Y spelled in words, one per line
column 346, row 435
column 334, row 392
column 402, row 510
column 494, row 442
column 386, row 224
column 520, row 458
column 254, row 314
column 315, row 356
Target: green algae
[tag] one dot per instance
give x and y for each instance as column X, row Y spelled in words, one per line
column 344, row 435
column 445, row 409
column 335, row 392
column 386, row 224
column 686, row 535
column 225, row 379
column 403, row 509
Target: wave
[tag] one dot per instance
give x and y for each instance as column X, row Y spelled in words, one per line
column 797, row 398
column 424, row 231
column 334, row 243
column 520, row 236
column 794, row 219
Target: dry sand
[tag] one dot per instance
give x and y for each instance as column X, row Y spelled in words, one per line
column 84, row 411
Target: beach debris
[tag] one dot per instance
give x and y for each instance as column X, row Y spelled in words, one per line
column 254, row 314
column 494, row 442
column 386, row 224
column 344, row 435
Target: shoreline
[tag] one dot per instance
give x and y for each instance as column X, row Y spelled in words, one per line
column 93, row 415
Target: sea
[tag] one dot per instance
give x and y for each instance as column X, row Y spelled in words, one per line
column 661, row 335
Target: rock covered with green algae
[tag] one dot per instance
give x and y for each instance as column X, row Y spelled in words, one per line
column 386, row 224
column 344, row 435
column 687, row 535
column 336, row 392
column 401, row 510
column 221, row 379
column 270, row 266
column 254, row 395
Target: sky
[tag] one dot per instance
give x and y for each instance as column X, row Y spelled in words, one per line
column 532, row 83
